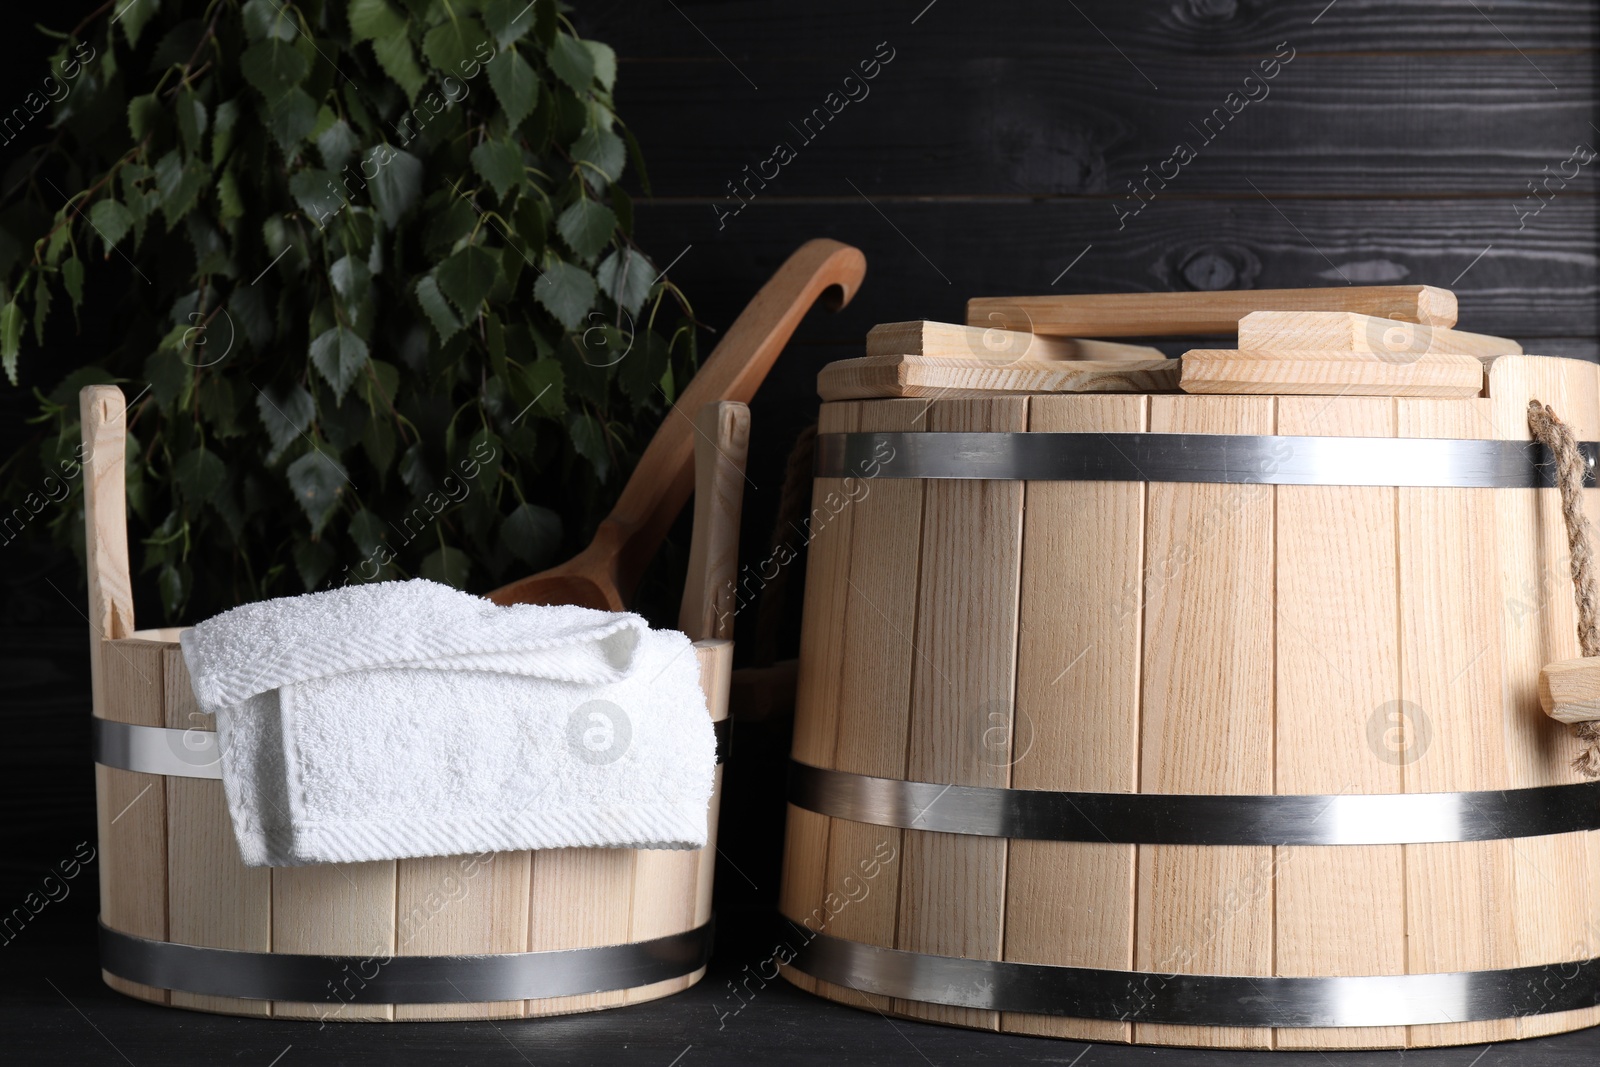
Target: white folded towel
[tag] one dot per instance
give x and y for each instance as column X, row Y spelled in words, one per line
column 401, row 719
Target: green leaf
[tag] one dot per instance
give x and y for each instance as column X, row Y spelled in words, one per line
column 397, row 182
column 454, row 43
column 450, row 566
column 374, row 18
column 133, row 16
column 191, row 121
column 11, row 337
column 605, row 153
column 145, row 113
column 508, row 20
column 605, row 63
column 111, row 220
column 500, row 163
column 625, row 276
column 290, row 120
column 268, row 20
column 367, row 531
column 230, row 203
column 532, row 534
column 317, row 480
column 466, row 278
column 41, row 308
column 586, row 225
column 572, row 63
column 566, row 291
column 274, row 67
column 515, row 84
column 222, row 128
column 285, row 417
column 589, row 440
column 377, row 441
column 314, row 190
column 350, row 277
column 395, row 56
column 339, row 354
column 313, row 560
column 170, row 583
column 169, row 376
column 199, row 475
column 179, row 184
column 72, row 278
column 545, row 383
column 336, row 143
column 439, row 312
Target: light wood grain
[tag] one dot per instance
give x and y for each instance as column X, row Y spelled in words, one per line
column 1330, row 373
column 131, row 808
column 463, row 905
column 952, row 888
column 1458, row 896
column 580, row 897
column 1569, row 689
column 1552, row 876
column 818, row 685
column 1338, row 911
column 1353, row 332
column 1076, row 721
column 722, row 441
column 1166, row 314
column 879, row 622
column 342, row 909
column 940, row 377
column 949, row 340
column 1207, row 708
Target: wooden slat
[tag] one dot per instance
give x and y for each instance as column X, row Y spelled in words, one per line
column 1207, row 709
column 937, row 376
column 672, row 888
column 952, row 888
column 1555, row 892
column 213, row 899
column 880, row 649
column 1459, row 897
column 131, row 808
column 1076, row 722
column 1569, row 689
column 1349, row 332
column 992, row 340
column 579, row 897
column 342, row 909
column 1338, row 911
column 817, row 688
column 1330, row 373
column 722, row 440
column 1154, row 314
column 463, row 905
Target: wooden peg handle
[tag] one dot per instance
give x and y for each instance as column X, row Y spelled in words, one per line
column 721, row 444
column 103, row 414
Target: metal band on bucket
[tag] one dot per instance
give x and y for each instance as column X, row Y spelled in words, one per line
column 1194, row 457
column 1198, row 819
column 194, row 753
column 403, row 979
column 1199, row 999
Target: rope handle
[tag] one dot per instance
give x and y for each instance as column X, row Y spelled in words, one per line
column 1571, row 467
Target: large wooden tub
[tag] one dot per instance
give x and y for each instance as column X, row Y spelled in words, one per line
column 1229, row 741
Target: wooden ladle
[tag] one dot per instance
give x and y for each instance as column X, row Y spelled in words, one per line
column 605, row 574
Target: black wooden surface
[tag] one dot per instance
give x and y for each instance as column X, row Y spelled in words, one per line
column 989, row 156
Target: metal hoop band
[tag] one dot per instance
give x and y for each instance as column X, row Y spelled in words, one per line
column 403, row 979
column 1196, row 819
column 1199, row 999
column 194, row 753
column 1190, row 457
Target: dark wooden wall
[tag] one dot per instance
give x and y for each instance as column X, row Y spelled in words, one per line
column 1398, row 144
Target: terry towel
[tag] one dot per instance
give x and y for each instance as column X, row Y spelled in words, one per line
column 402, row 719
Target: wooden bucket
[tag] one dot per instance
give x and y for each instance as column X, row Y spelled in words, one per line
column 1227, row 741
column 185, row 923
